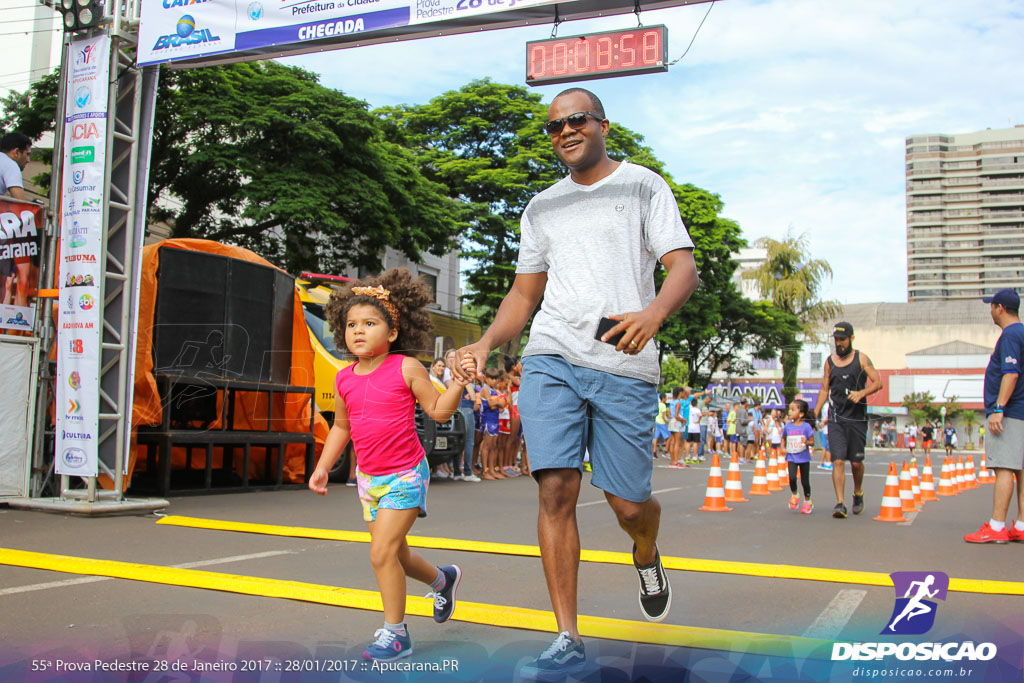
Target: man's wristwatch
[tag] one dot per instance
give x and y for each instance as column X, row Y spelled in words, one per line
column 998, row 408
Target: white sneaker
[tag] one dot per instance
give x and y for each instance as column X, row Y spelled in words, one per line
column 471, row 477
column 440, row 475
column 456, row 477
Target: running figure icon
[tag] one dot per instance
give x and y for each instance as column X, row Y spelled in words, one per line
column 915, row 607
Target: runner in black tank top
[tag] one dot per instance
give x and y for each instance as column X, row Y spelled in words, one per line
column 849, row 379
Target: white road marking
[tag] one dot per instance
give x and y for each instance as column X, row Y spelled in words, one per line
column 599, row 502
column 187, row 565
column 910, row 517
column 836, row 614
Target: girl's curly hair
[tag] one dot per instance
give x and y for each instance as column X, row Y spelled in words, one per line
column 409, row 295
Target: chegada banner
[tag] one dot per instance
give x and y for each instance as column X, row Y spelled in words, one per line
column 20, row 226
column 172, row 30
column 81, row 253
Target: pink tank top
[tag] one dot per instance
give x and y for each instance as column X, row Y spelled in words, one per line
column 381, row 415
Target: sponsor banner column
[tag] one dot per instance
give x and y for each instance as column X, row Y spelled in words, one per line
column 81, row 249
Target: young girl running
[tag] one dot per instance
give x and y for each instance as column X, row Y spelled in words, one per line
column 799, row 437
column 374, row 406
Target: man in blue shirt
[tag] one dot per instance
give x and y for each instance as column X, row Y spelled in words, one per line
column 1004, row 405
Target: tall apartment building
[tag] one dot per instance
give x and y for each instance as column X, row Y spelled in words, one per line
column 965, row 214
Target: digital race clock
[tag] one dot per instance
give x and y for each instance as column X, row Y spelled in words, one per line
column 640, row 50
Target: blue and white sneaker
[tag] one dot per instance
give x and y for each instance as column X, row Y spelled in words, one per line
column 389, row 645
column 444, row 599
column 563, row 657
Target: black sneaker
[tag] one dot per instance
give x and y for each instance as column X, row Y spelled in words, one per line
column 444, row 599
column 858, row 503
column 839, row 511
column 563, row 657
column 655, row 591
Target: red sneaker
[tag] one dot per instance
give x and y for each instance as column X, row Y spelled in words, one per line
column 1014, row 535
column 986, row 535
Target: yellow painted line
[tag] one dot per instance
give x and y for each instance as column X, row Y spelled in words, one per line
column 471, row 612
column 772, row 571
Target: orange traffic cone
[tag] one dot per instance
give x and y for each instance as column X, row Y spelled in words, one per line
column 946, row 487
column 759, row 486
column 906, row 490
column 783, row 473
column 892, row 510
column 714, row 499
column 915, row 485
column 984, row 475
column 733, row 483
column 958, row 475
column 969, row 479
column 773, row 473
column 928, row 482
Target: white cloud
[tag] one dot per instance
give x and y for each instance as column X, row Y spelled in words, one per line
column 794, row 111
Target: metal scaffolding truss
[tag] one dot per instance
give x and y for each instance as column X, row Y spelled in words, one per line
column 131, row 108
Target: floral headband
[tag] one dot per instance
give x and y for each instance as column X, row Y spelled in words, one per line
column 383, row 296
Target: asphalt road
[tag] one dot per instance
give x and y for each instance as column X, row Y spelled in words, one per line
column 52, row 617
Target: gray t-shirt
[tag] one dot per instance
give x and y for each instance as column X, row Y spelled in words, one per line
column 10, row 174
column 599, row 245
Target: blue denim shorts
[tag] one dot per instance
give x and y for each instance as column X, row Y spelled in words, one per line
column 567, row 410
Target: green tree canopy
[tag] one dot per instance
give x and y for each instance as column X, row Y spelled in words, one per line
column 792, row 281
column 718, row 328
column 263, row 156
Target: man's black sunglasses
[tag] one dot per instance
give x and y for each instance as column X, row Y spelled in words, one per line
column 575, row 121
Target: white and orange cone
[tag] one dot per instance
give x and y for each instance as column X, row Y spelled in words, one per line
column 892, row 509
column 733, row 483
column 984, row 475
column 906, row 490
column 714, row 499
column 958, row 475
column 946, row 487
column 773, row 473
column 759, row 487
column 915, row 485
column 928, row 482
column 783, row 473
column 969, row 479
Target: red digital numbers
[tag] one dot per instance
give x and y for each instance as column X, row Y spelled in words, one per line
column 613, row 53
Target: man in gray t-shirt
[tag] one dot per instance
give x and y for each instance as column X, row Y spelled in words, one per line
column 590, row 245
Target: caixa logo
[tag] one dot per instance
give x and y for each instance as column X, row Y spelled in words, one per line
column 74, row 457
column 171, row 4
column 913, row 614
column 186, row 34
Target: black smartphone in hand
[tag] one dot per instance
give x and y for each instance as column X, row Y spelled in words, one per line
column 603, row 326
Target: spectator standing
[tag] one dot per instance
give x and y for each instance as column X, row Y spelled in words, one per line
column 849, row 379
column 1004, row 406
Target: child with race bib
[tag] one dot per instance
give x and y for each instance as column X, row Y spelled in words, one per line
column 799, row 438
column 375, row 399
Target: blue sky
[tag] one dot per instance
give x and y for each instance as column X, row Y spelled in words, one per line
column 794, row 111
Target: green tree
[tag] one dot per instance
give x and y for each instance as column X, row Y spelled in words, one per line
column 970, row 419
column 792, row 281
column 718, row 327
column 674, row 373
column 483, row 142
column 263, row 156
